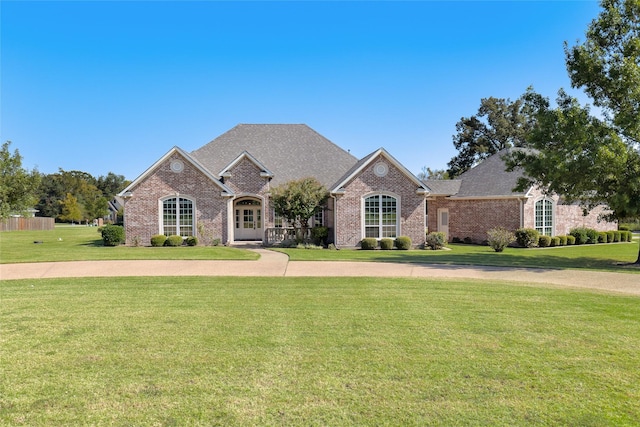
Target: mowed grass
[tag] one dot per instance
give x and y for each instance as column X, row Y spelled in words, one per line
column 315, row 351
column 606, row 257
column 84, row 243
column 81, row 243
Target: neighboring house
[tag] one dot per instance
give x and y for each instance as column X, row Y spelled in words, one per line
column 222, row 191
column 114, row 205
column 483, row 198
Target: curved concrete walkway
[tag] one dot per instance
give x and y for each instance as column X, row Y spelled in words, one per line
column 276, row 264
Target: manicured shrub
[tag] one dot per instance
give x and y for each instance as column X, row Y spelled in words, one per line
column 112, row 235
column 544, row 241
column 555, row 241
column 624, row 228
column 436, row 240
column 571, row 240
column 609, row 236
column 191, row 241
column 629, row 235
column 309, row 246
column 158, row 240
column 580, row 235
column 616, row 236
column 386, row 244
column 174, row 240
column 403, row 243
column 499, row 238
column 368, row 243
column 319, row 235
column 592, row 235
column 602, row 237
column 527, row 237
column 287, row 243
column 563, row 240
column 456, row 240
column 468, row 240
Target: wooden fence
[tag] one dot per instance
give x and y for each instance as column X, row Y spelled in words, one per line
column 35, row 223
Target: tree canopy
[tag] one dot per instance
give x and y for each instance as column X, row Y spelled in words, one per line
column 607, row 65
column 18, row 186
column 92, row 194
column 297, row 201
column 498, row 124
column 584, row 157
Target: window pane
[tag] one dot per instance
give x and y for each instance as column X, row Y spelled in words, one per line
column 380, row 216
column 544, row 217
column 372, row 232
column 185, row 220
column 169, row 217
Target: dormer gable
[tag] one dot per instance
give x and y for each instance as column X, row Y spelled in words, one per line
column 264, row 172
column 177, row 165
column 379, row 169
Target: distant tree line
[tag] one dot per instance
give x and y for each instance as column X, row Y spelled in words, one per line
column 68, row 196
column 73, row 196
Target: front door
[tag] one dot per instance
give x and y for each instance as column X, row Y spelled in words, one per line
column 248, row 220
column 443, row 222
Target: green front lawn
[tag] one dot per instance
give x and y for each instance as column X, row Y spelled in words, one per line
column 598, row 257
column 81, row 243
column 84, row 243
column 315, row 351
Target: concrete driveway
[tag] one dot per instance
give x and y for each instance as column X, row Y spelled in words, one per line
column 276, row 264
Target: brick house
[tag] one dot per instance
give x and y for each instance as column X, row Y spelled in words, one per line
column 483, row 198
column 222, row 191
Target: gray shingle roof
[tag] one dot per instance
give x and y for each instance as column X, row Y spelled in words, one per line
column 443, row 187
column 490, row 179
column 289, row 151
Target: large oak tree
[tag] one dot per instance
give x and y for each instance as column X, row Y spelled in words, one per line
column 498, row 124
column 584, row 157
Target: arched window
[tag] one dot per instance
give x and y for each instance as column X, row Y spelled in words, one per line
column 380, row 216
column 177, row 217
column 544, row 217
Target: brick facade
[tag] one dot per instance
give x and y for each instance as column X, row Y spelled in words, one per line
column 349, row 206
column 470, row 215
column 567, row 216
column 143, row 209
column 472, row 218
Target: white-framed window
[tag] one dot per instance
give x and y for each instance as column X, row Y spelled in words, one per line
column 177, row 216
column 318, row 218
column 544, row 217
column 381, row 216
column 279, row 221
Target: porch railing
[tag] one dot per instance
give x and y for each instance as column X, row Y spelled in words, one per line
column 274, row 236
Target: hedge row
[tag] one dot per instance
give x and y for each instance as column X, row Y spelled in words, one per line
column 162, row 240
column 528, row 237
column 371, row 243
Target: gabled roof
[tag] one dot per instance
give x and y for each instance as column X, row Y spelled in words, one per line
column 366, row 161
column 489, row 179
column 443, row 187
column 246, row 155
column 289, row 151
column 127, row 191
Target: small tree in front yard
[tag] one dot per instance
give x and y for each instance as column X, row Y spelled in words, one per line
column 297, row 201
column 500, row 238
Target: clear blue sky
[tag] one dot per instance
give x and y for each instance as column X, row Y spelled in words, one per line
column 112, row 86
